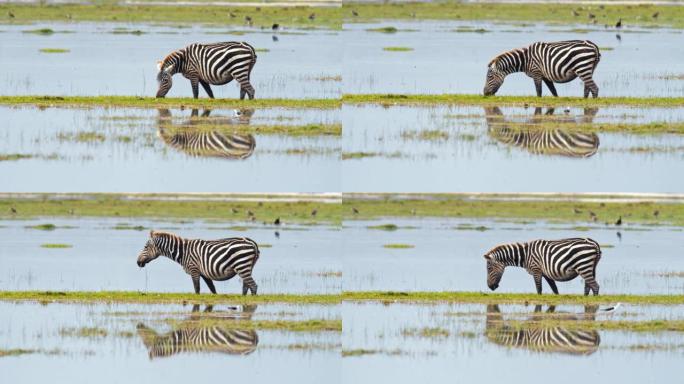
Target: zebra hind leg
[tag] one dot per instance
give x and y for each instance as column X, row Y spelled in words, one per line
column 589, row 87
column 210, row 284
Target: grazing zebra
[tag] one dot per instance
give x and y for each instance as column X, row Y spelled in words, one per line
column 543, row 141
column 204, row 143
column 555, row 260
column 218, row 335
column 209, row 64
column 557, row 62
column 533, row 336
column 209, row 259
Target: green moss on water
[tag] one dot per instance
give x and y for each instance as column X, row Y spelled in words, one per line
column 271, row 129
column 398, row 246
column 43, row 227
column 384, row 227
column 397, row 49
column 54, row 50
column 15, row 156
column 152, row 102
column 312, row 325
column 55, row 245
column 426, row 332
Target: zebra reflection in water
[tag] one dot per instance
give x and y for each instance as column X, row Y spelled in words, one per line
column 544, row 141
column 190, row 137
column 540, row 338
column 192, row 336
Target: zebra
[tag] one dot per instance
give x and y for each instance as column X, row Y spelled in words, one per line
column 209, row 259
column 194, row 336
column 533, row 336
column 556, row 62
column 212, row 143
column 543, row 141
column 554, row 260
column 209, row 64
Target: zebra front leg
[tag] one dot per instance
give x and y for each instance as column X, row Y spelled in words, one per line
column 538, row 86
column 196, row 284
column 195, row 88
column 538, row 283
column 245, row 88
column 207, row 89
column 210, row 284
column 552, row 284
column 589, row 86
column 551, row 87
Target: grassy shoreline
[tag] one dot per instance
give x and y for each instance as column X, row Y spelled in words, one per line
column 531, row 101
column 151, row 102
column 369, row 296
column 148, row 206
column 507, row 298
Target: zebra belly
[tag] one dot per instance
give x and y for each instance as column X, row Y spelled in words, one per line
column 562, row 277
column 568, row 77
column 227, row 275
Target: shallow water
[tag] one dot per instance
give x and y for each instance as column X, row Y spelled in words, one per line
column 301, row 64
column 448, row 256
column 299, row 259
column 118, row 341
column 469, row 145
column 470, row 346
column 447, row 61
column 125, row 150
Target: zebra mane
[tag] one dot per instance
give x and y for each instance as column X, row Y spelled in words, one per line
column 496, row 59
column 170, row 60
column 155, row 234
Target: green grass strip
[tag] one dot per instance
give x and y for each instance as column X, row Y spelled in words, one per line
column 600, row 325
column 163, row 298
column 532, row 101
column 509, row 298
column 606, row 14
column 313, row 325
column 152, row 102
column 120, row 206
column 655, row 213
column 109, row 11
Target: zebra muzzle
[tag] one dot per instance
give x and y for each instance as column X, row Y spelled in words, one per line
column 493, row 287
column 141, row 264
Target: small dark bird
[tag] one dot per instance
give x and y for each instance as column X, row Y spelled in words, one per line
column 618, row 37
column 619, row 235
column 314, row 212
column 312, row 16
column 656, row 213
column 277, row 221
column 248, row 19
column 618, row 25
column 275, row 26
column 577, row 211
column 354, row 13
column 250, row 213
column 655, row 15
column 13, row 210
column 234, row 210
column 592, row 16
column 356, row 211
column 592, row 214
column 10, row 14
column 574, row 13
column 277, row 234
column 274, row 37
column 619, row 221
column 231, row 14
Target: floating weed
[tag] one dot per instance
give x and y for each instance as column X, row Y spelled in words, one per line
column 16, row 352
column 262, row 50
column 265, row 245
column 384, row 227
column 361, row 155
column 397, row 49
column 359, row 352
column 135, row 32
column 41, row 31
column 83, row 332
column 81, row 137
column 398, row 246
column 426, row 135
column 606, row 48
column 54, row 50
column 470, row 30
column 426, row 332
column 43, row 227
column 678, row 274
column 383, row 30
column 15, row 156
column 55, row 245
column 126, row 227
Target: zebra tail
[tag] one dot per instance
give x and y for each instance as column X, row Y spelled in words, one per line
column 254, row 55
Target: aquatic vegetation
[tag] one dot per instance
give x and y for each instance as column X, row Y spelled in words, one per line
column 384, row 227
column 397, row 49
column 383, row 30
column 426, row 135
column 398, row 246
column 124, row 227
column 81, row 137
column 427, row 332
column 54, row 50
column 41, row 31
column 55, row 245
column 83, row 332
column 43, row 227
column 15, row 156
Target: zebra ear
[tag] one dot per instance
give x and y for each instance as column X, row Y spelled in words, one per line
column 488, row 256
column 159, row 65
column 151, row 233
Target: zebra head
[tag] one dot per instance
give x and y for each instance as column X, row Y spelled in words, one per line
column 149, row 252
column 495, row 77
column 165, row 83
column 495, row 270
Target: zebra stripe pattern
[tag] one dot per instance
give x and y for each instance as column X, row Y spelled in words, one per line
column 209, row 64
column 555, row 260
column 538, row 338
column 204, row 143
column 542, row 141
column 193, row 337
column 557, row 62
column 209, row 259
